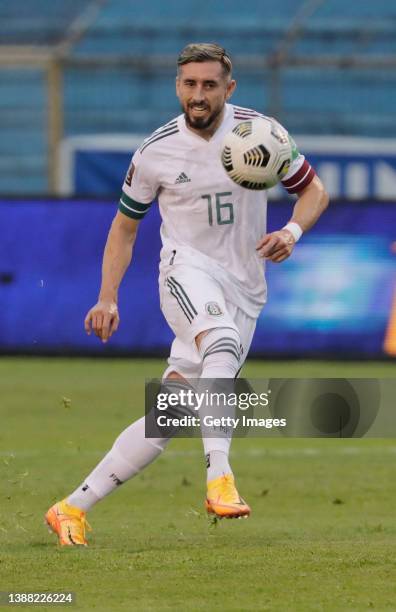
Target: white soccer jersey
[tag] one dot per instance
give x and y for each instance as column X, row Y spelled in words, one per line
column 208, row 221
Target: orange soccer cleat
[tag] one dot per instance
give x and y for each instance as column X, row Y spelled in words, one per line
column 69, row 524
column 223, row 499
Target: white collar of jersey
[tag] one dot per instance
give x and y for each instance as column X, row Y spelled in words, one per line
column 219, row 133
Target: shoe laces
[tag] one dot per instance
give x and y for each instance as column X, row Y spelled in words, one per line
column 80, row 523
column 86, row 526
column 228, row 490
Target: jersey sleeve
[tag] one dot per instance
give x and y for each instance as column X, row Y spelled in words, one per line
column 300, row 173
column 139, row 189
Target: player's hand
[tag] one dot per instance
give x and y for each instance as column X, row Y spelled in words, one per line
column 276, row 246
column 103, row 319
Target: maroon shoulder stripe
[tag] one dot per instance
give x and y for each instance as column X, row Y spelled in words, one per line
column 246, row 116
column 237, row 112
column 243, row 109
column 300, row 179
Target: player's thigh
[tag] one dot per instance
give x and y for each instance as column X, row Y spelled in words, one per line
column 245, row 325
column 192, row 302
column 185, row 358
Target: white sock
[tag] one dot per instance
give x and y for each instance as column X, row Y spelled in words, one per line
column 83, row 497
column 217, row 464
column 130, row 453
column 220, row 350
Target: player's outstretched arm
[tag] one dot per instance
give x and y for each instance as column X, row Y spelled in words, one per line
column 103, row 318
column 312, row 202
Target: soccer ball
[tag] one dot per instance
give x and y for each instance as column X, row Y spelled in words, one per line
column 257, row 153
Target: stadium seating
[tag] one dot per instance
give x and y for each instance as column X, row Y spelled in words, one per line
column 119, row 99
column 23, row 129
column 41, row 22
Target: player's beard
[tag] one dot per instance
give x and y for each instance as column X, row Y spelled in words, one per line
column 201, row 123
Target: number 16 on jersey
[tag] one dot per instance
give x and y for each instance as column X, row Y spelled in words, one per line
column 224, row 210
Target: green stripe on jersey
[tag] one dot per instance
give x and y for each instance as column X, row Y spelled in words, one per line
column 131, row 208
column 295, row 151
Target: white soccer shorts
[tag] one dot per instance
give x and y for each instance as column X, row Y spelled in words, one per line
column 192, row 302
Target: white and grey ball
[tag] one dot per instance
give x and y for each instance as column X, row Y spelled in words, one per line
column 257, row 153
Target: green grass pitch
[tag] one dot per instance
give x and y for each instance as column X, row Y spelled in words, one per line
column 322, row 535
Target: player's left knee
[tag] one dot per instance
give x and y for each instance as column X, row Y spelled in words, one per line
column 220, row 351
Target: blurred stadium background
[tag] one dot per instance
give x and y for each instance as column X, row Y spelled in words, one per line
column 83, row 81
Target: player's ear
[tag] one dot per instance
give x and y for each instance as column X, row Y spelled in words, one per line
column 230, row 89
column 177, row 85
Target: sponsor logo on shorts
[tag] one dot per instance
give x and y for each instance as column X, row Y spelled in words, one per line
column 213, row 308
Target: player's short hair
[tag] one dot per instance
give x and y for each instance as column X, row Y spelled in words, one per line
column 205, row 52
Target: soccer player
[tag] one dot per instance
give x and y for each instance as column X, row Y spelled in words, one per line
column 211, row 280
